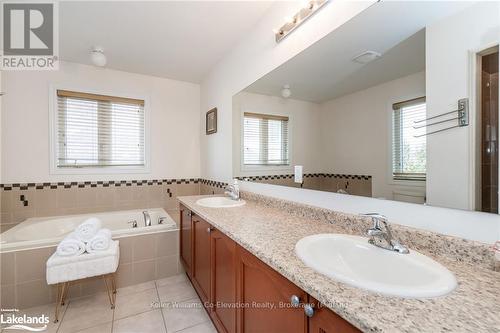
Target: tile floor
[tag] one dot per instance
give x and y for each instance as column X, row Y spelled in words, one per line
column 137, row 310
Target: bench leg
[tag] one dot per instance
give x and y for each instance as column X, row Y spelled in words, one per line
column 61, row 292
column 110, row 289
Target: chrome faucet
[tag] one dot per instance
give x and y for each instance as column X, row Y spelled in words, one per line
column 233, row 190
column 147, row 218
column 381, row 238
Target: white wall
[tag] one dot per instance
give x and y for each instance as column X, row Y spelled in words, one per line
column 304, row 135
column 255, row 55
column 174, row 114
column 356, row 132
column 448, row 43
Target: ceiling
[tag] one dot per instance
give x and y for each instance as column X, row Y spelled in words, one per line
column 325, row 70
column 181, row 40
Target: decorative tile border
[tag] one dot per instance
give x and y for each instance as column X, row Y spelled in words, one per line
column 119, row 183
column 306, row 175
column 90, row 184
column 213, row 183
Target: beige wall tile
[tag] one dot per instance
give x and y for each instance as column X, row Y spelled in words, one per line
column 6, row 201
column 45, row 200
column 124, row 275
column 86, row 197
column 144, row 247
column 188, row 189
column 8, row 297
column 30, row 264
column 123, row 194
column 16, row 204
column 32, row 294
column 167, row 266
column 156, row 196
column 7, row 263
column 66, row 197
column 21, row 215
column 106, row 196
column 175, row 214
column 139, row 195
column 167, row 243
column 170, row 201
column 126, row 249
column 144, row 271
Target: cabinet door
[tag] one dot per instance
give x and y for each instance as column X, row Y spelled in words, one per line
column 326, row 321
column 185, row 240
column 223, row 292
column 201, row 258
column 266, row 296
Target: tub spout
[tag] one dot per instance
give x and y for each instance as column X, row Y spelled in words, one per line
column 147, row 218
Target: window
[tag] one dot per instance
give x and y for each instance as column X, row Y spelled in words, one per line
column 265, row 139
column 408, row 142
column 98, row 131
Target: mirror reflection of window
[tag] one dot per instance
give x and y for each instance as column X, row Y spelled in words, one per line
column 265, row 139
column 408, row 140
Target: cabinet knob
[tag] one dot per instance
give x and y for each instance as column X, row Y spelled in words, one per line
column 309, row 310
column 189, row 213
column 209, row 229
column 295, row 300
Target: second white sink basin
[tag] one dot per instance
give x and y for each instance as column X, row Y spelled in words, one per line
column 352, row 260
column 220, row 202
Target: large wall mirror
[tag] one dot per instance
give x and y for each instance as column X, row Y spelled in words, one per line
column 386, row 106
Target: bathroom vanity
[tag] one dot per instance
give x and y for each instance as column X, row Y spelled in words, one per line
column 245, row 256
column 241, row 293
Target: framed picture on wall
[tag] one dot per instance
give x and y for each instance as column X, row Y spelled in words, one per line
column 211, row 121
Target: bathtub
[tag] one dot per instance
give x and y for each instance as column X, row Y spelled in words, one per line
column 48, row 231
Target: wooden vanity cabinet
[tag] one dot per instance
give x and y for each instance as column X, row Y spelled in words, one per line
column 224, row 261
column 224, row 274
column 201, row 271
column 268, row 295
column 326, row 321
column 185, row 230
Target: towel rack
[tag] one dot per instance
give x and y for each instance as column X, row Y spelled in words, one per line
column 462, row 118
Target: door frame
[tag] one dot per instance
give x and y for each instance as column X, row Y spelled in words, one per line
column 474, row 88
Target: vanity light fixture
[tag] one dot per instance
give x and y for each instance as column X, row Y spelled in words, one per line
column 292, row 23
column 366, row 57
column 97, row 57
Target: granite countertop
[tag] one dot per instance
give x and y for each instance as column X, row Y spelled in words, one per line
column 270, row 233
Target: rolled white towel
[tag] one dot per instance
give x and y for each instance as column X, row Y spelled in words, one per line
column 100, row 242
column 70, row 246
column 88, row 229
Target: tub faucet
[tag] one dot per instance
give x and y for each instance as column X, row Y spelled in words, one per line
column 147, row 218
column 381, row 238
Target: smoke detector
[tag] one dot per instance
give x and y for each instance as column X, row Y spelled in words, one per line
column 366, row 57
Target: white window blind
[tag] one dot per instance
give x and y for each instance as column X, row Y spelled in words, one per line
column 265, row 139
column 99, row 131
column 408, row 149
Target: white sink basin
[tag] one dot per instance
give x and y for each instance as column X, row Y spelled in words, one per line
column 352, row 260
column 220, row 202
